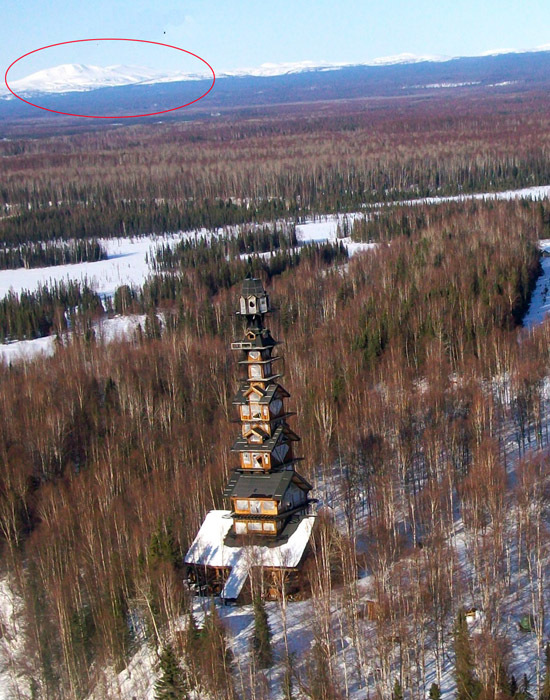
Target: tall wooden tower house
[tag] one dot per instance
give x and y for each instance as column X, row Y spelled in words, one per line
column 268, row 523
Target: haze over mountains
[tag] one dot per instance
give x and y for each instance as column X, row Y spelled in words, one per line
column 119, row 90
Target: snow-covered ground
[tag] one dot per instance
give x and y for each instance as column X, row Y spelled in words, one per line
column 540, row 300
column 108, row 329
column 127, row 264
column 129, row 258
column 535, row 193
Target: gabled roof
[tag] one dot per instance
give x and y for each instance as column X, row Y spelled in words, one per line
column 255, row 429
column 252, row 287
column 281, row 432
column 267, row 485
column 266, row 393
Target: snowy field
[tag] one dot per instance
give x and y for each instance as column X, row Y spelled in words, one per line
column 129, row 263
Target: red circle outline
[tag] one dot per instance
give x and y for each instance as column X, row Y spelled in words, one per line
column 116, row 116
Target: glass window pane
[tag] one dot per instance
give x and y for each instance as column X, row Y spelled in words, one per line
column 241, row 505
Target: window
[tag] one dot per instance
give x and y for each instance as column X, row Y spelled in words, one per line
column 269, row 527
column 255, row 438
column 245, row 411
column 254, row 355
column 240, row 528
column 257, row 527
column 254, row 371
column 246, row 457
column 255, row 507
column 241, row 504
column 258, row 461
column 256, row 411
column 269, row 506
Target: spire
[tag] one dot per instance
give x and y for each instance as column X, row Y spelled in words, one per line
column 253, row 302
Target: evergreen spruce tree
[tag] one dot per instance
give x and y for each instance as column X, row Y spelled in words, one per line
column 397, row 692
column 435, row 692
column 170, row 685
column 468, row 687
column 261, row 637
column 523, row 692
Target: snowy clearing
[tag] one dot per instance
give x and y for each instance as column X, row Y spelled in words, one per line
column 129, row 263
column 108, row 330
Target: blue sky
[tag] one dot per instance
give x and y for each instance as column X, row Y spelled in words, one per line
column 247, row 33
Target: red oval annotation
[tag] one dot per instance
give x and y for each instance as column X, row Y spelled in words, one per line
column 113, row 116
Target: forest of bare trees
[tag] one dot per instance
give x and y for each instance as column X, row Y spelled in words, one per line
column 112, row 454
column 422, row 402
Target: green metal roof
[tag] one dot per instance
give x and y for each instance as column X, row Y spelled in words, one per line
column 252, row 286
column 267, row 485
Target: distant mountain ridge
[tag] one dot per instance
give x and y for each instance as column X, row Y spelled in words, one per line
column 123, row 90
column 76, row 77
column 79, row 77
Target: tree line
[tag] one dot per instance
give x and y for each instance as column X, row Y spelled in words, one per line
column 187, row 176
column 48, row 254
column 48, row 309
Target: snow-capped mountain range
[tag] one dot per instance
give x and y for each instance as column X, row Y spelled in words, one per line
column 75, row 77
column 83, row 78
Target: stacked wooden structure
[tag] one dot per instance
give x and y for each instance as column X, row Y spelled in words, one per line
column 269, row 524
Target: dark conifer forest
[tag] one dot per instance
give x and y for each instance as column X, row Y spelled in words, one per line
column 421, row 400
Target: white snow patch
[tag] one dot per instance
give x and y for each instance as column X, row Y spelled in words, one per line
column 12, row 653
column 535, row 193
column 108, row 330
column 137, row 680
column 126, row 264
